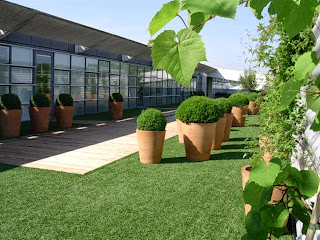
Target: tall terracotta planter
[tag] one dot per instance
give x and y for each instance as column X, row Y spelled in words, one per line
column 116, row 110
column 10, row 121
column 198, row 139
column 219, row 134
column 253, row 108
column 179, row 130
column 228, row 126
column 150, row 145
column 263, row 143
column 239, row 116
column 39, row 118
column 64, row 116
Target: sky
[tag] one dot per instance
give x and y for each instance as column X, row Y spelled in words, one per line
column 224, row 38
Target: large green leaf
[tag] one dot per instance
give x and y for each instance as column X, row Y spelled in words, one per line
column 255, row 195
column 265, row 175
column 295, row 15
column 301, row 212
column 168, row 12
column 222, row 8
column 256, row 228
column 308, row 185
column 305, row 65
column 195, row 19
column 274, row 216
column 257, row 6
column 178, row 58
column 289, row 92
column 313, row 99
column 316, row 123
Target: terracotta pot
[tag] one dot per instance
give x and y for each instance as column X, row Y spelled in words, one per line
column 179, row 130
column 88, row 96
column 150, row 145
column 198, row 139
column 228, row 126
column 48, row 95
column 219, row 134
column 253, row 108
column 277, row 193
column 239, row 116
column 10, row 121
column 64, row 116
column 39, row 118
column 94, row 96
column 263, row 143
column 116, row 109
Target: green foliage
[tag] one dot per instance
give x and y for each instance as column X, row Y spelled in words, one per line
column 151, row 120
column 197, row 93
column 179, row 54
column 198, row 109
column 239, row 100
column 248, row 80
column 64, row 99
column 271, row 218
column 39, row 100
column 226, row 103
column 10, row 101
column 254, row 96
column 116, row 97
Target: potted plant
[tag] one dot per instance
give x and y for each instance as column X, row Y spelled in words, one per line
column 220, row 127
column 151, row 132
column 229, row 117
column 39, row 111
column 239, row 103
column 10, row 115
column 199, row 116
column 63, row 110
column 253, row 105
column 116, row 105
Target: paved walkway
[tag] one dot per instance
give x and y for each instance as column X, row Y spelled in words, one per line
column 77, row 150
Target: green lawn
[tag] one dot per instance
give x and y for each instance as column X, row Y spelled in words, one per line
column 177, row 199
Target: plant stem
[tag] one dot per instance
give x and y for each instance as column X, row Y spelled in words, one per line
column 211, row 16
column 310, row 92
column 182, row 20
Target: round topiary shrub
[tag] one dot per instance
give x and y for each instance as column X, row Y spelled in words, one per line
column 239, row 100
column 197, row 93
column 116, row 97
column 224, row 104
column 254, row 96
column 198, row 109
column 39, row 100
column 64, row 99
column 151, row 120
column 10, row 101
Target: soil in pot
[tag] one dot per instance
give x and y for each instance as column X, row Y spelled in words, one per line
column 228, row 126
column 64, row 116
column 198, row 138
column 150, row 145
column 239, row 116
column 10, row 122
column 219, row 134
column 116, row 110
column 39, row 118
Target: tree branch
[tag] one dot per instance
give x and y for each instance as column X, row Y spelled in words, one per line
column 182, row 20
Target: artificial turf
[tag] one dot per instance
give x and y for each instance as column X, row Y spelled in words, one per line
column 177, row 199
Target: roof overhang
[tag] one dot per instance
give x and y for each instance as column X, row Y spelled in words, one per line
column 205, row 68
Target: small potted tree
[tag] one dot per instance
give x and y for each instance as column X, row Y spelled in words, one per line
column 151, row 132
column 221, row 124
column 239, row 103
column 253, row 105
column 199, row 116
column 39, row 111
column 63, row 110
column 116, row 105
column 10, row 115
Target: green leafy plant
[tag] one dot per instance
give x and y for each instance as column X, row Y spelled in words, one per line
column 10, row 101
column 197, row 93
column 254, row 96
column 248, row 80
column 226, row 103
column 39, row 100
column 116, row 97
column 64, row 99
column 239, row 100
column 151, row 120
column 198, row 109
column 266, row 217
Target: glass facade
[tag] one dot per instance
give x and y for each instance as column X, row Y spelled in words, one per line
column 90, row 80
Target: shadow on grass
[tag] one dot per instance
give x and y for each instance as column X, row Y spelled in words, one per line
column 253, row 125
column 229, row 156
column 237, row 139
column 6, row 167
column 234, row 130
column 234, row 146
column 176, row 160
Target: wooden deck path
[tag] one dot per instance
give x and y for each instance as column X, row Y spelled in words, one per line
column 77, row 150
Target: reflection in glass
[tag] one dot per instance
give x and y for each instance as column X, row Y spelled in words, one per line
column 124, row 81
column 103, row 106
column 24, row 92
column 133, row 70
column 124, row 68
column 132, row 92
column 77, row 63
column 104, row 79
column 78, row 108
column 103, row 92
column 22, row 56
column 124, row 92
column 115, row 67
column 92, row 65
column 61, row 77
column 103, row 66
column 4, row 90
column 61, row 61
column 4, row 74
column 132, row 81
column 60, row 89
column 114, row 80
column 90, row 107
column 91, row 79
column 4, row 54
column 77, row 78
column 77, row 93
column 21, row 75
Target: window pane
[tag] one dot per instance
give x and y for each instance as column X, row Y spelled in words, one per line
column 133, row 70
column 132, row 81
column 147, row 72
column 77, row 78
column 91, row 107
column 60, row 89
column 61, row 61
column 4, row 74
column 61, row 77
column 22, row 56
column 4, row 90
column 132, row 103
column 103, row 106
column 123, row 81
column 77, row 63
column 124, row 68
column 21, row 75
column 159, row 74
column 114, row 90
column 77, row 93
column 78, row 108
column 92, row 65
column 132, row 92
column 103, row 66
column 91, row 92
column 124, row 92
column 23, row 91
column 115, row 67
column 91, row 79
column 4, row 54
column 104, row 79
column 103, row 92
column 114, row 80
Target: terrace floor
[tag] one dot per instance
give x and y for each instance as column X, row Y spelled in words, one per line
column 77, row 150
